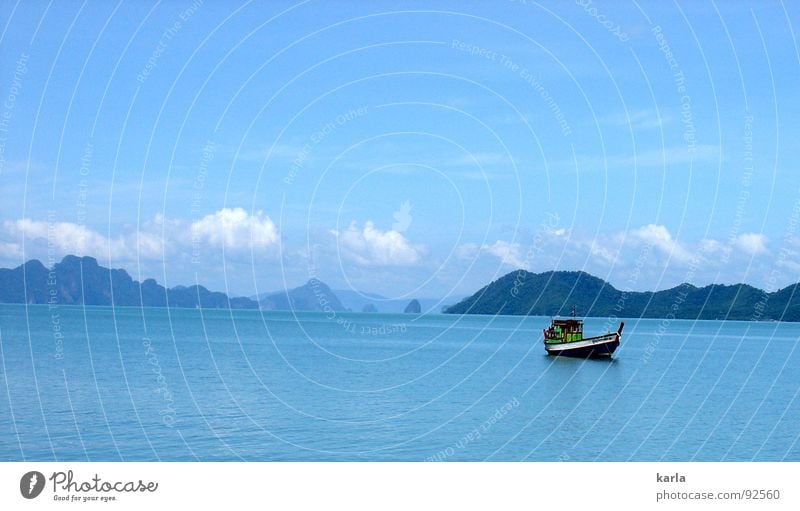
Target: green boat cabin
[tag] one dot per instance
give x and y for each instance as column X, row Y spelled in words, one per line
column 564, row 330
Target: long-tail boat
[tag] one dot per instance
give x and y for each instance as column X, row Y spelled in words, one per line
column 565, row 338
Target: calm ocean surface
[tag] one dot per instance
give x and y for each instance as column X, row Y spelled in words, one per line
column 106, row 384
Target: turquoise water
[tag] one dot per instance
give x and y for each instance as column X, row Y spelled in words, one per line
column 103, row 384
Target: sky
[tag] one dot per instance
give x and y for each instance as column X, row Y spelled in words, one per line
column 411, row 149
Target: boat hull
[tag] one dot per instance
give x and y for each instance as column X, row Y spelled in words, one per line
column 600, row 346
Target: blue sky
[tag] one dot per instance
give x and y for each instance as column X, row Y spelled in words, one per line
column 405, row 148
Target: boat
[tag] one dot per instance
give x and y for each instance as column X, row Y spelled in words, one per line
column 565, row 338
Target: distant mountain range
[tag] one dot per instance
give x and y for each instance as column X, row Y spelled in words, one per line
column 80, row 280
column 348, row 299
column 355, row 301
column 556, row 292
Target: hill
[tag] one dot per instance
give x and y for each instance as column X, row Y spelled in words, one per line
column 82, row 281
column 315, row 295
column 413, row 307
column 556, row 292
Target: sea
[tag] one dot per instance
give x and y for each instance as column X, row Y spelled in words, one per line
column 148, row 384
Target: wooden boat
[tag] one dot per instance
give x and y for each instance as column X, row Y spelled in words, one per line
column 565, row 338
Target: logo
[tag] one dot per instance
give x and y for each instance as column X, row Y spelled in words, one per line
column 402, row 217
column 31, row 484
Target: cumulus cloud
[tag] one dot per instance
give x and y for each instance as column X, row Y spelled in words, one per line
column 235, row 228
column 660, row 237
column 509, row 254
column 751, row 243
column 602, row 251
column 370, row 246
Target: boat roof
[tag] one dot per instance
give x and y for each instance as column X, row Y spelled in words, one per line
column 565, row 322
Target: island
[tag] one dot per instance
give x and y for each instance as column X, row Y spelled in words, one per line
column 413, row 307
column 554, row 293
column 82, row 281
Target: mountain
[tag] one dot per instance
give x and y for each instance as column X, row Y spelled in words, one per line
column 413, row 307
column 315, row 295
column 82, row 281
column 356, row 301
column 556, row 292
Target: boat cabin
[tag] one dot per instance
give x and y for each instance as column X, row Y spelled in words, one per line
column 564, row 330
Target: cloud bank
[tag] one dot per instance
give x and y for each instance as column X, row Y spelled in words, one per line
column 232, row 228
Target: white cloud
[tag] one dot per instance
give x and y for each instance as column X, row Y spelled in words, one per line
column 370, row 246
column 10, row 250
column 751, row 243
column 660, row 237
column 467, row 250
column 235, row 228
column 789, row 255
column 77, row 239
column 711, row 246
column 607, row 254
column 509, row 253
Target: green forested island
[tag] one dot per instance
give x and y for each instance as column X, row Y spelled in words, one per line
column 82, row 281
column 556, row 292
